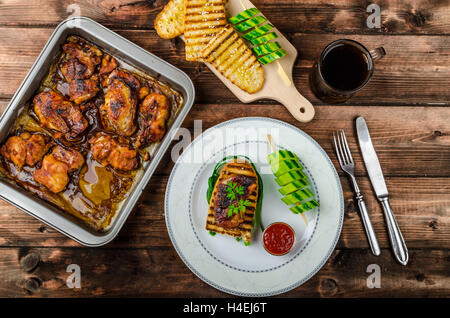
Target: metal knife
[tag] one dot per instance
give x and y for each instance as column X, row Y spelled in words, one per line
column 379, row 186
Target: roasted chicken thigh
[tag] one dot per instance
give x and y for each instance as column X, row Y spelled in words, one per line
column 119, row 110
column 82, row 90
column 153, row 114
column 79, row 69
column 55, row 168
column 88, row 55
column 26, row 149
column 107, row 150
column 57, row 113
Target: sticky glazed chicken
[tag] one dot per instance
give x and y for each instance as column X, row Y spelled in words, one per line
column 80, row 142
column 73, row 69
column 153, row 114
column 57, row 113
column 119, row 110
column 84, row 53
column 79, row 70
column 108, row 151
column 25, row 149
column 55, row 168
column 82, row 90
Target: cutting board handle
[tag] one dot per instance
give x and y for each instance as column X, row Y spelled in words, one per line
column 298, row 106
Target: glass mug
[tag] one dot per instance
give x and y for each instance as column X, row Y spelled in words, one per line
column 344, row 67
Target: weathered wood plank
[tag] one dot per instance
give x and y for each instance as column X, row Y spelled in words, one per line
column 337, row 16
column 421, row 206
column 159, row 272
column 418, row 136
column 416, row 70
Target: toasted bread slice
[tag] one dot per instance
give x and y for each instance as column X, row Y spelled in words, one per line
column 240, row 226
column 169, row 23
column 228, row 53
column 203, row 20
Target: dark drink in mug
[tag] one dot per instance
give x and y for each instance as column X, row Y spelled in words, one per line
column 344, row 67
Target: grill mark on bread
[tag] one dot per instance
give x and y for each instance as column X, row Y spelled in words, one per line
column 212, row 17
column 203, row 20
column 228, row 53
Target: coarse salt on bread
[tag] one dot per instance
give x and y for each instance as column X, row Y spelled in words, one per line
column 203, row 20
column 228, row 53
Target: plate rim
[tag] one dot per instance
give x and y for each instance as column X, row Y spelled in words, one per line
column 316, row 268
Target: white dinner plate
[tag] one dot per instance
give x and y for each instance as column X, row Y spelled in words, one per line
column 225, row 263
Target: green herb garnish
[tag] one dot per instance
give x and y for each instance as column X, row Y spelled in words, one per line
column 238, row 207
column 233, row 190
column 212, row 233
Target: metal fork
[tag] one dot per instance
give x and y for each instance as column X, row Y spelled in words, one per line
column 348, row 165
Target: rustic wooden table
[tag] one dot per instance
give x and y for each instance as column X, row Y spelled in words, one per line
column 406, row 106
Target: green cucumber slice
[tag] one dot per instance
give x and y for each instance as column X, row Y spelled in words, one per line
column 293, row 181
column 281, row 167
column 305, row 206
column 269, row 58
column 281, row 155
column 297, row 197
column 293, row 186
column 290, row 176
column 263, row 29
column 266, row 48
column 250, row 23
column 244, row 15
column 264, row 38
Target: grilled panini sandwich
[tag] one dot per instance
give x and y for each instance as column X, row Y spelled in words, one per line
column 233, row 201
column 169, row 23
column 228, row 53
column 203, row 20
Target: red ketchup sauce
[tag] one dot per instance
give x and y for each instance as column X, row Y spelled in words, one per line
column 278, row 238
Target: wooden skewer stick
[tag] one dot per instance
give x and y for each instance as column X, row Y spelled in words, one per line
column 304, row 218
column 271, row 144
column 274, row 149
column 242, row 4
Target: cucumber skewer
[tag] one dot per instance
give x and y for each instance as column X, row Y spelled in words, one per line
column 293, row 181
column 256, row 29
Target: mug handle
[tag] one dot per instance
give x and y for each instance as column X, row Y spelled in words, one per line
column 377, row 53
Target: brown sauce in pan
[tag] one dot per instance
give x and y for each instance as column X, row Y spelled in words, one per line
column 94, row 193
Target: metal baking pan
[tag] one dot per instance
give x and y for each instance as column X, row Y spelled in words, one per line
column 135, row 56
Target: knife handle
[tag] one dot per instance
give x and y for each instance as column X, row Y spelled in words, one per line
column 371, row 237
column 397, row 241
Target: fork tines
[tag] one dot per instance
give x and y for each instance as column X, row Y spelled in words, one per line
column 342, row 150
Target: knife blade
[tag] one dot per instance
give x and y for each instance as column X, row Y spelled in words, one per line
column 379, row 186
column 371, row 159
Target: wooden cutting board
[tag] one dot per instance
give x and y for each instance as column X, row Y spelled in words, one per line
column 278, row 84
